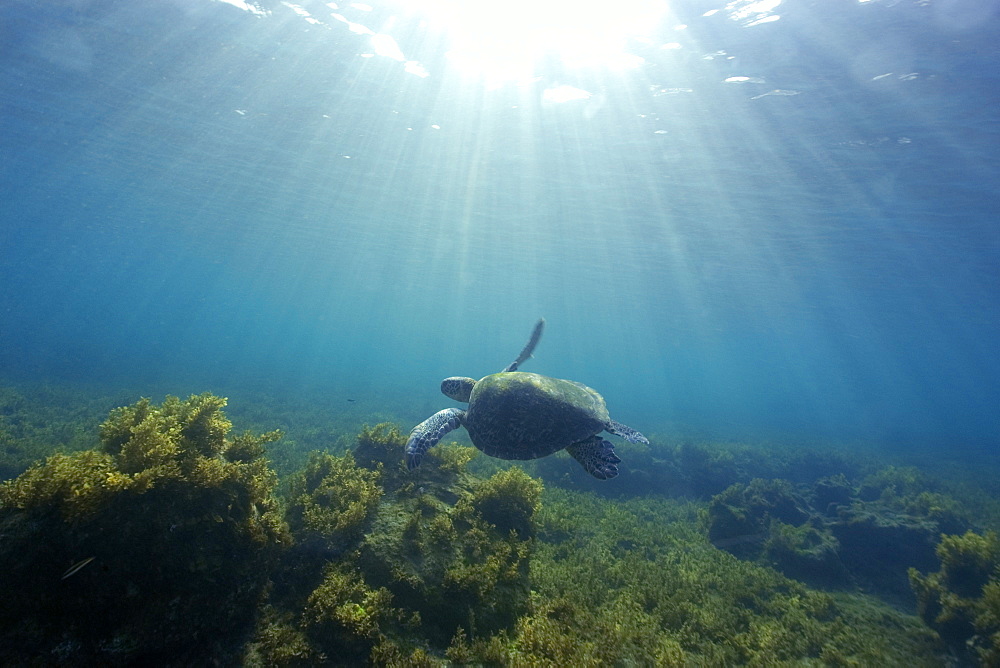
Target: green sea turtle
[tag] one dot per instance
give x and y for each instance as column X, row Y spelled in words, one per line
column 518, row 415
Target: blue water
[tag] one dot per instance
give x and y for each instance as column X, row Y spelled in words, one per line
column 784, row 229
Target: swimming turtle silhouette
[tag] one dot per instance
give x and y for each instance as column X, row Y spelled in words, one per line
column 519, row 415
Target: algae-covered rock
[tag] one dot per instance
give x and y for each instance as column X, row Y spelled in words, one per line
column 961, row 601
column 153, row 549
column 635, row 584
column 768, row 520
column 879, row 544
column 332, row 500
column 739, row 518
column 831, row 493
column 808, row 552
column 452, row 563
column 893, row 524
column 346, row 614
column 380, row 448
column 837, row 532
column 508, row 501
column 381, row 552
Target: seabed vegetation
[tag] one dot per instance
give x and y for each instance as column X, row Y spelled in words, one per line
column 163, row 537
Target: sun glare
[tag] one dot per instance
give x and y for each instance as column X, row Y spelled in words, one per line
column 507, row 41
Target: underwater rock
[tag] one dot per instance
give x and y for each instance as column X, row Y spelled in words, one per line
column 831, row 492
column 708, row 472
column 381, row 552
column 961, row 601
column 878, row 545
column 837, row 538
column 768, row 521
column 809, row 553
column 153, row 550
column 739, row 518
column 451, row 563
column 332, row 501
column 380, row 448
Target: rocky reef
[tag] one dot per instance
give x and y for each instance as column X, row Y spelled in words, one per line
column 153, row 548
column 382, row 560
column 835, row 533
column 961, row 601
column 173, row 543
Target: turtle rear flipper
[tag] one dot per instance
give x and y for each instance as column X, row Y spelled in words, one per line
column 427, row 434
column 529, row 347
column 626, row 432
column 597, row 456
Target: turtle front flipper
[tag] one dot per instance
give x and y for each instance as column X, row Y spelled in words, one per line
column 427, row 434
column 597, row 456
column 628, row 433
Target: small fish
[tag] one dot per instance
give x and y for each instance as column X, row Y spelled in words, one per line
column 351, row 400
column 72, row 570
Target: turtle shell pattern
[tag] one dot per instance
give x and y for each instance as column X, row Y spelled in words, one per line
column 520, row 415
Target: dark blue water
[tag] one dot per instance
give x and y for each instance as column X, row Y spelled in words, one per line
column 780, row 229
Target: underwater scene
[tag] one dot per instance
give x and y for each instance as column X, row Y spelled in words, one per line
column 454, row 332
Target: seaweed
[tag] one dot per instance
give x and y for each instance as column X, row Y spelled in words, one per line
column 175, row 549
column 156, row 545
column 36, row 421
column 636, row 583
column 379, row 557
column 961, row 601
column 836, row 533
column 451, row 564
column 332, row 499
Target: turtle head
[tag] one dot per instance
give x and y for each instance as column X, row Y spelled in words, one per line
column 458, row 388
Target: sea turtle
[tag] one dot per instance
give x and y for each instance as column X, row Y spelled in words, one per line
column 518, row 415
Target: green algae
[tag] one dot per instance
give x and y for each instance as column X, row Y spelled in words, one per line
column 345, row 614
column 961, row 601
column 332, row 498
column 508, row 500
column 34, row 421
column 634, row 582
column 839, row 533
column 383, row 558
column 637, row 583
column 176, row 539
column 467, row 560
column 446, row 562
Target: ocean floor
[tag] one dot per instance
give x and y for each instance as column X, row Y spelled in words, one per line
column 275, row 531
